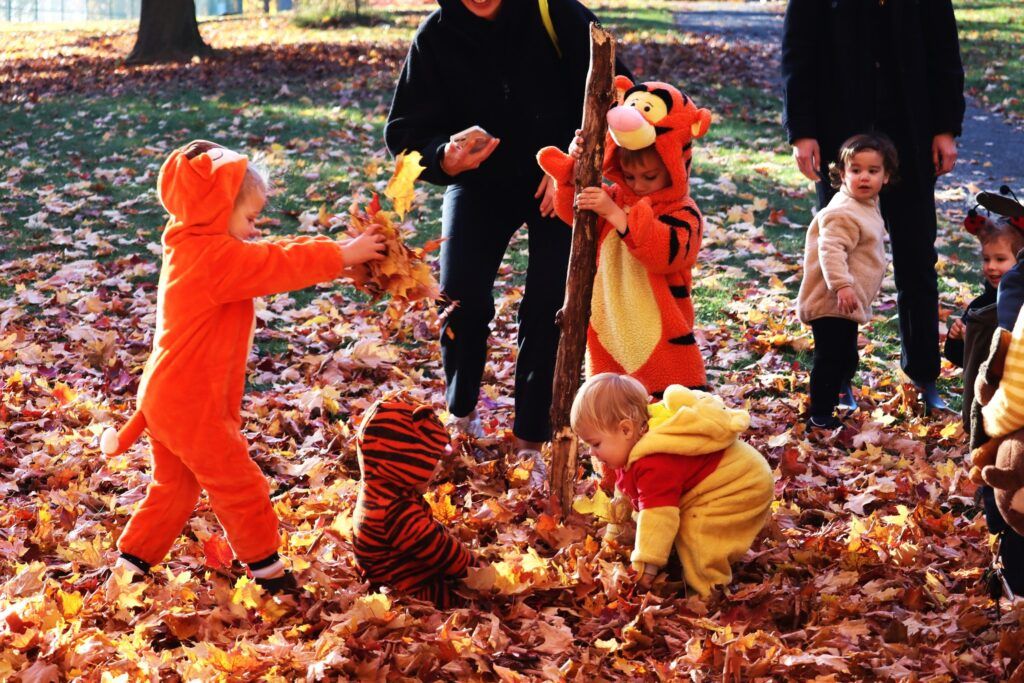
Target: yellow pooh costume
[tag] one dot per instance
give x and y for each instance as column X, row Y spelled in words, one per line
column 695, row 484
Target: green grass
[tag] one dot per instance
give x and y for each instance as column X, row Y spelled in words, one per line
column 319, row 152
column 991, row 44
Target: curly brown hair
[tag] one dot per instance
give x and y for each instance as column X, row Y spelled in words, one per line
column 858, row 143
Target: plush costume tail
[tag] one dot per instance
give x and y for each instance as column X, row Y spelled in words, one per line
column 115, row 442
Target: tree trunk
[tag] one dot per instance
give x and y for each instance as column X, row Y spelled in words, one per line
column 575, row 314
column 168, row 32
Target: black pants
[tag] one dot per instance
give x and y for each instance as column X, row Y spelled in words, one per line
column 478, row 224
column 1011, row 544
column 908, row 207
column 835, row 361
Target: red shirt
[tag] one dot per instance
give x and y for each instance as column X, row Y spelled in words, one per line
column 661, row 479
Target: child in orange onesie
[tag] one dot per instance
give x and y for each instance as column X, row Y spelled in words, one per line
column 641, row 313
column 190, row 394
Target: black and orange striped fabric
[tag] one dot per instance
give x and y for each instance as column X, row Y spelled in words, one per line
column 397, row 541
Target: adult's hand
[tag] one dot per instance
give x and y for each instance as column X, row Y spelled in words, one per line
column 943, row 153
column 546, row 193
column 808, row 157
column 460, row 157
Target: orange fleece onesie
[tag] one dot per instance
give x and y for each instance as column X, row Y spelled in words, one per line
column 191, row 390
column 642, row 317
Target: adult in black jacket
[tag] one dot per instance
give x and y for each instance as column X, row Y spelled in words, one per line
column 852, row 66
column 494, row 64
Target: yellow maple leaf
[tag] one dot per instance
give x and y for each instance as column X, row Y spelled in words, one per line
column 441, row 506
column 599, row 505
column 400, row 188
column 70, row 603
column 899, row 519
column 247, row 592
column 949, row 430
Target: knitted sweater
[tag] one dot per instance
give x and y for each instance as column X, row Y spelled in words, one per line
column 844, row 247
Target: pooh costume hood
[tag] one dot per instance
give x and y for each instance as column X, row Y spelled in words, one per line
column 191, row 390
column 641, row 311
column 715, row 522
column 396, row 539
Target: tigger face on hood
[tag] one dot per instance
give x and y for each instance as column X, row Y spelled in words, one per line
column 400, row 442
column 198, row 185
column 655, row 113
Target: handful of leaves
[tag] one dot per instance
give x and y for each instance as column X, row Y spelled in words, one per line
column 403, row 274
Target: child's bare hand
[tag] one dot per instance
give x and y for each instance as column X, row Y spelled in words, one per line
column 597, row 200
column 957, row 329
column 846, row 300
column 576, row 146
column 367, row 247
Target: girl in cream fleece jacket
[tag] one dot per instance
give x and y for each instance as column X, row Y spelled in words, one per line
column 844, row 262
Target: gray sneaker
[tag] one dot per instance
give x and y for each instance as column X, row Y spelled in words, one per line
column 539, row 473
column 469, row 425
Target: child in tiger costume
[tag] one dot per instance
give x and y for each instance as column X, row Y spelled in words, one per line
column 397, row 541
column 641, row 312
column 190, row 396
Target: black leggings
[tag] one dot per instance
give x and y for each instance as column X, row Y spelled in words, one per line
column 835, row 362
column 478, row 223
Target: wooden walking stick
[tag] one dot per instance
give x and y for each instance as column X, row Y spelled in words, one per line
column 575, row 314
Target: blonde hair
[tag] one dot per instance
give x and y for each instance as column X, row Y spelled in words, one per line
column 255, row 179
column 606, row 399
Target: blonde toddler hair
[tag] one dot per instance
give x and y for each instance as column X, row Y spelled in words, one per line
column 606, row 399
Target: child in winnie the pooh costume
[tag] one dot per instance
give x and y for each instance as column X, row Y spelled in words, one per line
column 641, row 312
column 190, row 395
column 680, row 462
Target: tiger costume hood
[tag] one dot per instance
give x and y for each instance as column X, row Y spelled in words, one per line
column 198, row 185
column 400, row 442
column 395, row 538
column 658, row 114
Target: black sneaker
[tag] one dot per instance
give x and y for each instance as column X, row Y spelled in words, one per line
column 828, row 422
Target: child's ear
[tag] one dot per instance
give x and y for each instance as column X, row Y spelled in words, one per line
column 627, row 428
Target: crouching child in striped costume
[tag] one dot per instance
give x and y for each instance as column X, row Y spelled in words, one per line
column 398, row 543
column 693, row 483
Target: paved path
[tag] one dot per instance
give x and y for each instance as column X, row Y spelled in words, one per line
column 989, row 148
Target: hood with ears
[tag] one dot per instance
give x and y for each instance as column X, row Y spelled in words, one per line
column 689, row 422
column 198, row 189
column 400, row 442
column 654, row 113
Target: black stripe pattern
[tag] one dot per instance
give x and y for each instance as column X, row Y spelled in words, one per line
column 396, row 539
column 691, row 226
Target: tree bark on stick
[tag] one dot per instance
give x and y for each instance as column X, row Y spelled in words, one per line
column 168, row 32
column 575, row 314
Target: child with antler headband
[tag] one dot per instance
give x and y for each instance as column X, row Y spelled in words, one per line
column 970, row 334
column 995, row 411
